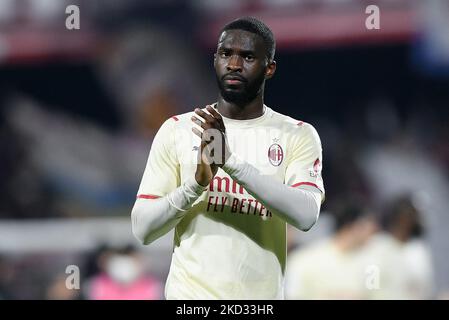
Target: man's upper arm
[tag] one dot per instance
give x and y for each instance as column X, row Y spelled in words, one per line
column 305, row 160
column 161, row 174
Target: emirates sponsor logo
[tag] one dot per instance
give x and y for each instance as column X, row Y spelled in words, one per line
column 225, row 195
column 275, row 154
column 242, row 206
column 225, row 184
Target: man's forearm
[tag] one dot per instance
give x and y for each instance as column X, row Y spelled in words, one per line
column 297, row 206
column 153, row 218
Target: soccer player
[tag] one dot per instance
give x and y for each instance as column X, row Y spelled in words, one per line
column 230, row 215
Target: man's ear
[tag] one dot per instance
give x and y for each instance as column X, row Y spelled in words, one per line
column 270, row 70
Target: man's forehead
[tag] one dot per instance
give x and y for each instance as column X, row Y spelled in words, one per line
column 241, row 39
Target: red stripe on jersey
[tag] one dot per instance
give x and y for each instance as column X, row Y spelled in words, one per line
column 147, row 196
column 305, row 183
column 175, row 118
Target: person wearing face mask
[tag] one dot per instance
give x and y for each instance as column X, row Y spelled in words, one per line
column 122, row 277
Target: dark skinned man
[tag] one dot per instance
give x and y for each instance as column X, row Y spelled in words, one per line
column 229, row 177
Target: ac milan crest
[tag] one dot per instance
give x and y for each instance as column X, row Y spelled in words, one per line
column 275, row 154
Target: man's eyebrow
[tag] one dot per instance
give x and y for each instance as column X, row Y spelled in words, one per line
column 248, row 52
column 240, row 51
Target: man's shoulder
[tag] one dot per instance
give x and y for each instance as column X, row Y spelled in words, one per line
column 180, row 118
column 290, row 123
column 175, row 126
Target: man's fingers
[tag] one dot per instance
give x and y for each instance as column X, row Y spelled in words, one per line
column 198, row 122
column 205, row 136
column 214, row 113
column 211, row 120
column 204, row 115
column 216, row 116
column 197, row 132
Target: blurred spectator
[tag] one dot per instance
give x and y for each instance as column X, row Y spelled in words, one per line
column 58, row 290
column 403, row 166
column 7, row 275
column 122, row 277
column 333, row 268
column 401, row 250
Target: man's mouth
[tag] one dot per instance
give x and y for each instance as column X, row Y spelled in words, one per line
column 233, row 80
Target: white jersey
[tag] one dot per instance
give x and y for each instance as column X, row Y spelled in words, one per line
column 228, row 245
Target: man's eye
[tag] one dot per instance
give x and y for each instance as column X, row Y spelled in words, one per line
column 225, row 54
column 249, row 58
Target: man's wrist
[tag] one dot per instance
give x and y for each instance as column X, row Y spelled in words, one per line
column 231, row 164
column 228, row 154
column 192, row 186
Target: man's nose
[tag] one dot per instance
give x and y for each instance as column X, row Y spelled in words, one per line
column 235, row 63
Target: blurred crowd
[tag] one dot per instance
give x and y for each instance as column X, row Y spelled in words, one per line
column 368, row 256
column 75, row 136
column 106, row 273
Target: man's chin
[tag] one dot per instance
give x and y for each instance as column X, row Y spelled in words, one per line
column 236, row 97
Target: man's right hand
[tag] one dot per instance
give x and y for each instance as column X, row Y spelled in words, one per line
column 204, row 172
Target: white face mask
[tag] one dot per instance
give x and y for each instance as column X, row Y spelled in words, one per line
column 123, row 269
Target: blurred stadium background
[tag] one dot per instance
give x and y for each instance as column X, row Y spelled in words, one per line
column 79, row 109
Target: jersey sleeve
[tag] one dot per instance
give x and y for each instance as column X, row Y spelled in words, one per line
column 161, row 175
column 305, row 159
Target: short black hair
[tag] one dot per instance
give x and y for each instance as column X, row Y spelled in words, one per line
column 255, row 26
column 349, row 212
column 403, row 207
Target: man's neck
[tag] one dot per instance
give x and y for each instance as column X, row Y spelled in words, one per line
column 344, row 242
column 400, row 234
column 253, row 109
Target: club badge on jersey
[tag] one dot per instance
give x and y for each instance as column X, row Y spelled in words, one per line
column 275, row 154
